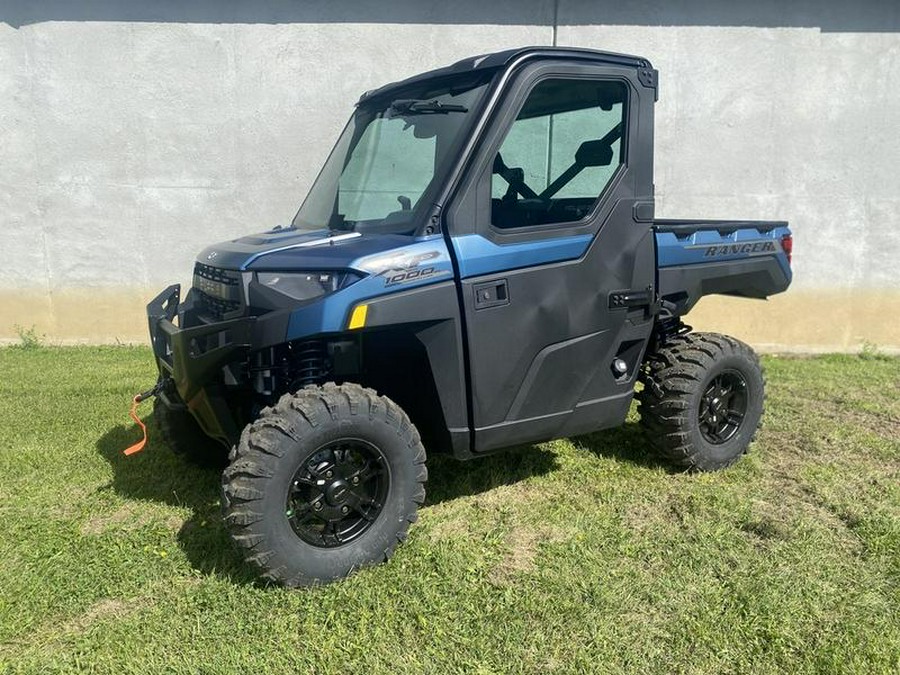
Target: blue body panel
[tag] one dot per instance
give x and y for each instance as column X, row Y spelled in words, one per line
column 388, row 263
column 478, row 255
column 710, row 245
column 391, row 263
column 419, row 262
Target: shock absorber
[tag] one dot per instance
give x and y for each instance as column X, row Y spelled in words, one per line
column 310, row 364
column 668, row 325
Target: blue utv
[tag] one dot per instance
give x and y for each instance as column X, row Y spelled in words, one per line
column 477, row 266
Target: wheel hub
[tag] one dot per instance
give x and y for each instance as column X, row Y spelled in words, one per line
column 337, row 493
column 723, row 406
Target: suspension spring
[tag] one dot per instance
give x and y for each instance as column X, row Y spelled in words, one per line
column 310, row 362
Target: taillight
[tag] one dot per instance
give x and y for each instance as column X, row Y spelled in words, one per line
column 787, row 245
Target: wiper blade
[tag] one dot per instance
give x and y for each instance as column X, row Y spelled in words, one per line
column 337, row 222
column 411, row 106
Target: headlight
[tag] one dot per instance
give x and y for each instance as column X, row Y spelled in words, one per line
column 306, row 285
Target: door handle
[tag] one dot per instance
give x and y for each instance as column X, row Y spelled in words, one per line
column 491, row 294
column 635, row 299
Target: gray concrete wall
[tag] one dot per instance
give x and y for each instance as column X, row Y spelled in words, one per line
column 131, row 136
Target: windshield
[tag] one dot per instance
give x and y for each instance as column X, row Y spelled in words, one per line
column 390, row 159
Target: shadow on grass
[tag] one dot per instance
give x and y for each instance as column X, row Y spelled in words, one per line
column 450, row 478
column 157, row 474
column 626, row 443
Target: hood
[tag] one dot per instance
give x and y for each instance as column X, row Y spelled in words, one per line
column 289, row 249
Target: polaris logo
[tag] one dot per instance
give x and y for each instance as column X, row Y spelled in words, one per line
column 746, row 248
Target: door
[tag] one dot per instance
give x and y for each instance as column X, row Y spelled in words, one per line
column 546, row 242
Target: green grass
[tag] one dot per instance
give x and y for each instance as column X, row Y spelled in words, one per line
column 584, row 555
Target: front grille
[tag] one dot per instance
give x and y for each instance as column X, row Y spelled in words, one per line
column 218, row 291
column 226, row 277
column 216, row 307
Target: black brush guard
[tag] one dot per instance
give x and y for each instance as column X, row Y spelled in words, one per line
column 191, row 359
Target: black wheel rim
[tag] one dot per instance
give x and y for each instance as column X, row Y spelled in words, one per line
column 337, row 493
column 723, row 407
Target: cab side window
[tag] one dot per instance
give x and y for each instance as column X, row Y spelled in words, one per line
column 560, row 153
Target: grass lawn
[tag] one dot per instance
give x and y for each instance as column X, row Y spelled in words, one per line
column 583, row 555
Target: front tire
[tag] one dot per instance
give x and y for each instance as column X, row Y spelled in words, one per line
column 184, row 436
column 323, row 483
column 702, row 400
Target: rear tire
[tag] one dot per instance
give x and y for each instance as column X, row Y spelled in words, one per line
column 702, row 400
column 323, row 483
column 184, row 436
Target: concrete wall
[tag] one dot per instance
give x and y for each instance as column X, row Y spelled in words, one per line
column 131, row 136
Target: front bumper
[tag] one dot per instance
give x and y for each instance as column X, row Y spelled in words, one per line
column 192, row 358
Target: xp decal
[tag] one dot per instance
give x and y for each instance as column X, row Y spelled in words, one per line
column 407, row 266
column 394, row 277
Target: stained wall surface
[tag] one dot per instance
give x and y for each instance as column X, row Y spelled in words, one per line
column 132, row 135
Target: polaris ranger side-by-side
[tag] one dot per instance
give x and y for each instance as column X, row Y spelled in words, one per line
column 476, row 266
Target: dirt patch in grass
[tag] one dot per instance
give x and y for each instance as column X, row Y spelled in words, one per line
column 642, row 517
column 128, row 517
column 770, row 520
column 452, row 528
column 878, row 423
column 502, row 497
column 792, row 497
column 51, row 633
column 523, row 544
column 108, row 608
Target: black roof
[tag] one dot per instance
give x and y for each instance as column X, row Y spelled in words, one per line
column 504, row 58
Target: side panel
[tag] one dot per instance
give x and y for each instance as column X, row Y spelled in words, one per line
column 710, row 242
column 431, row 314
